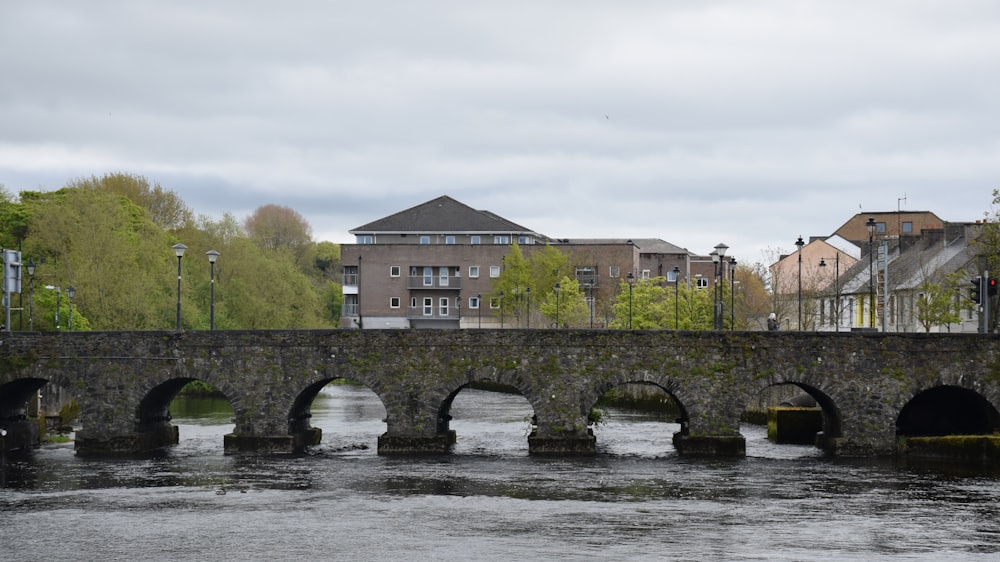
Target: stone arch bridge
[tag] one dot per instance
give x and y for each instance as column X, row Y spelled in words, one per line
column 868, row 384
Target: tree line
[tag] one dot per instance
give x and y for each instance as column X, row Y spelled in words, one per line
column 111, row 239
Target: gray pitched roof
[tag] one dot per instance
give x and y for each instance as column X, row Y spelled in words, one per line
column 443, row 214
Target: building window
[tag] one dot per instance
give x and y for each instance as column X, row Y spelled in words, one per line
column 474, row 271
column 494, row 271
column 907, row 228
column 449, row 239
column 473, row 302
column 350, row 275
column 443, row 306
column 701, row 283
column 880, row 227
column 393, row 271
column 524, row 240
column 443, row 276
column 428, row 306
column 393, row 302
column 413, row 302
column 475, row 239
column 425, row 239
column 614, row 271
column 494, row 302
column 501, row 239
column 644, row 274
column 428, row 276
column 366, row 239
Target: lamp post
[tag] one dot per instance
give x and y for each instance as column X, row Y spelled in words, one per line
column 677, row 282
column 871, row 271
column 717, row 259
column 732, row 294
column 527, row 312
column 71, row 293
column 479, row 309
column 179, row 250
column 631, row 281
column 31, row 295
column 212, row 256
column 58, row 291
column 799, row 243
column 501, row 310
column 835, row 313
column 590, row 302
column 557, row 287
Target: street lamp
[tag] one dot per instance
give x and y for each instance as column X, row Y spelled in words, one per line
column 501, row 310
column 212, row 256
column 677, row 282
column 871, row 271
column 800, row 243
column 590, row 302
column 179, row 250
column 479, row 308
column 732, row 294
column 836, row 289
column 557, row 287
column 631, row 281
column 527, row 312
column 58, row 291
column 717, row 261
column 31, row 295
column 71, row 293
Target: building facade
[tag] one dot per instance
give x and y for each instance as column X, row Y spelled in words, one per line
column 434, row 265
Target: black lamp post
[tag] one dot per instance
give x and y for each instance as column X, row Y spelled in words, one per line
column 179, row 250
column 732, row 294
column 501, row 310
column 479, row 309
column 71, row 293
column 527, row 312
column 717, row 259
column 871, row 271
column 835, row 313
column 800, row 243
column 631, row 281
column 557, row 287
column 677, row 310
column 212, row 256
column 31, row 295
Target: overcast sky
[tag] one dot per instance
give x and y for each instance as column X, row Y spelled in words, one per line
column 698, row 122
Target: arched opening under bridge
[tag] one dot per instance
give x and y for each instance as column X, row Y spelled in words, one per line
column 636, row 419
column 947, row 410
column 788, row 420
column 487, row 418
column 185, row 410
column 340, row 416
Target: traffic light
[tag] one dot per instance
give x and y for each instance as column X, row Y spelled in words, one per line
column 974, row 291
column 991, row 286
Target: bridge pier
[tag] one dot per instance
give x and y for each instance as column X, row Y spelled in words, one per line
column 21, row 434
column 91, row 444
column 416, row 444
column 573, row 445
column 710, row 445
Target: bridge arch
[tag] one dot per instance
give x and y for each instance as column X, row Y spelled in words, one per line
column 300, row 413
column 824, row 390
column 947, row 410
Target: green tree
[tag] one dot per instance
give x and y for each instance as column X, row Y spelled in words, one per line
column 274, row 227
column 567, row 306
column 164, row 207
column 511, row 288
column 937, row 306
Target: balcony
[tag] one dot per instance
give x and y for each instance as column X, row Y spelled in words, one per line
column 418, row 313
column 435, row 282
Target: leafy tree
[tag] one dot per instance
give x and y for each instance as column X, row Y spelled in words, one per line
column 937, row 307
column 567, row 307
column 274, row 227
column 164, row 207
column 511, row 288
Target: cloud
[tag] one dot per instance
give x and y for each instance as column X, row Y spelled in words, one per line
column 748, row 123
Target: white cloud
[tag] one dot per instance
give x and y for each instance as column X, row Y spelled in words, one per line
column 748, row 123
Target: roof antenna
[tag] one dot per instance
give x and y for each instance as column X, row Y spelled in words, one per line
column 898, row 199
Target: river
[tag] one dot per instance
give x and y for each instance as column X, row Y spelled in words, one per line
column 488, row 500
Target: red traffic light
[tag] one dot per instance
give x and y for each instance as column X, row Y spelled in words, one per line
column 991, row 286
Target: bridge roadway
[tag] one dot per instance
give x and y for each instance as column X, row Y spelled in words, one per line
column 869, row 385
